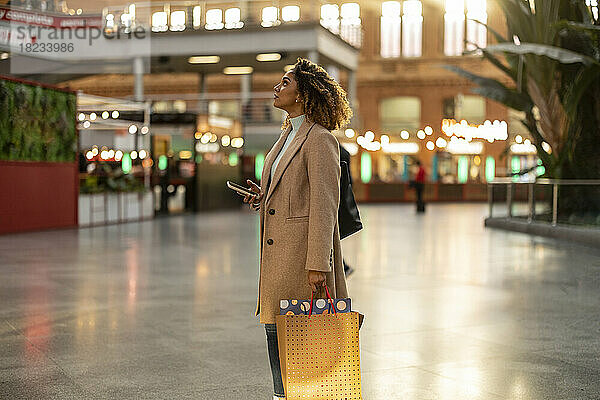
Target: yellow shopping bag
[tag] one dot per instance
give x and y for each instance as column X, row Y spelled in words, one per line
column 320, row 355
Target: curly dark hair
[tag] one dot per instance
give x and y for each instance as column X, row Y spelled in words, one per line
column 323, row 98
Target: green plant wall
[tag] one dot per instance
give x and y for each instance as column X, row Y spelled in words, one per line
column 36, row 123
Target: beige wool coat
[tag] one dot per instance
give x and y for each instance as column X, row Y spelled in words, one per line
column 298, row 219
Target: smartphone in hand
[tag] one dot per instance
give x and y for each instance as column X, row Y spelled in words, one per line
column 241, row 190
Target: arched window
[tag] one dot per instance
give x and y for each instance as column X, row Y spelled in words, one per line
column 330, row 17
column 390, row 29
column 476, row 32
column 351, row 24
column 344, row 20
column 214, row 19
column 461, row 24
column 401, row 28
column 412, row 28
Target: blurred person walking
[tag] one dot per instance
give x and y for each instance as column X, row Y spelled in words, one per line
column 419, row 184
column 300, row 248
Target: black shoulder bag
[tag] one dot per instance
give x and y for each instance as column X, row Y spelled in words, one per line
column 348, row 215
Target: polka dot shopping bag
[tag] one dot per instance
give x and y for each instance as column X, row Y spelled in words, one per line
column 319, row 352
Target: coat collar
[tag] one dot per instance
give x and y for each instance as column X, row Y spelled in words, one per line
column 289, row 154
column 272, row 154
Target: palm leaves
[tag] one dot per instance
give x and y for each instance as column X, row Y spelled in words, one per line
column 553, row 61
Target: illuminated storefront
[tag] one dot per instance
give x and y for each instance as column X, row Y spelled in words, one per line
column 459, row 153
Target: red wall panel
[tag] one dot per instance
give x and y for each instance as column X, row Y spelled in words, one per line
column 37, row 195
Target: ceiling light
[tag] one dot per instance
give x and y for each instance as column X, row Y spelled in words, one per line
column 238, row 70
column 204, row 59
column 268, row 57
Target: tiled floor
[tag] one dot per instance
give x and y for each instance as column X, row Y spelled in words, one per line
column 164, row 310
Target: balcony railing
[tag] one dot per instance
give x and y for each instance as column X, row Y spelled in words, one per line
column 209, row 15
column 256, row 109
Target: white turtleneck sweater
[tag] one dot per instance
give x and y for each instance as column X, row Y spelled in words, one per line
column 296, row 122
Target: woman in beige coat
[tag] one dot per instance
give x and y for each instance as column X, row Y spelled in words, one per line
column 300, row 247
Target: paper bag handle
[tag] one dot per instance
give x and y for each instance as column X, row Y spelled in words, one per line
column 329, row 299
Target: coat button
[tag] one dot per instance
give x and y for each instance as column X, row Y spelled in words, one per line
column 270, row 241
column 272, row 211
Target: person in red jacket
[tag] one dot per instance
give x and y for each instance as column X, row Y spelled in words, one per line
column 419, row 185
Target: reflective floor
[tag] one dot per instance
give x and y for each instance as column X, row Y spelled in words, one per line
column 164, row 310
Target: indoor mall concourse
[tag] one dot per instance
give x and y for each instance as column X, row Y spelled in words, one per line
column 164, row 309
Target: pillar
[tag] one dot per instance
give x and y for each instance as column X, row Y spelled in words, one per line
column 245, row 95
column 138, row 79
column 138, row 91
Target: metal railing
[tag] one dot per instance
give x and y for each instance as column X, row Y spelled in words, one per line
column 539, row 199
column 257, row 108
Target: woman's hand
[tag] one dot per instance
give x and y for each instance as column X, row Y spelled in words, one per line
column 316, row 279
column 253, row 200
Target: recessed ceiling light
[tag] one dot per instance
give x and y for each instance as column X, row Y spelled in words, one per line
column 238, row 70
column 204, row 59
column 268, row 57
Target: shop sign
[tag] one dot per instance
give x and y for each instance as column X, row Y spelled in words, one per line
column 523, row 148
column 400, row 148
column 462, row 146
column 490, row 131
column 220, row 122
column 207, row 148
column 48, row 20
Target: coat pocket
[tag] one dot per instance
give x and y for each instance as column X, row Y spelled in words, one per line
column 297, row 219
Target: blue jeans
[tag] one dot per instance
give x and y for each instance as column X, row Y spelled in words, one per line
column 273, row 348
